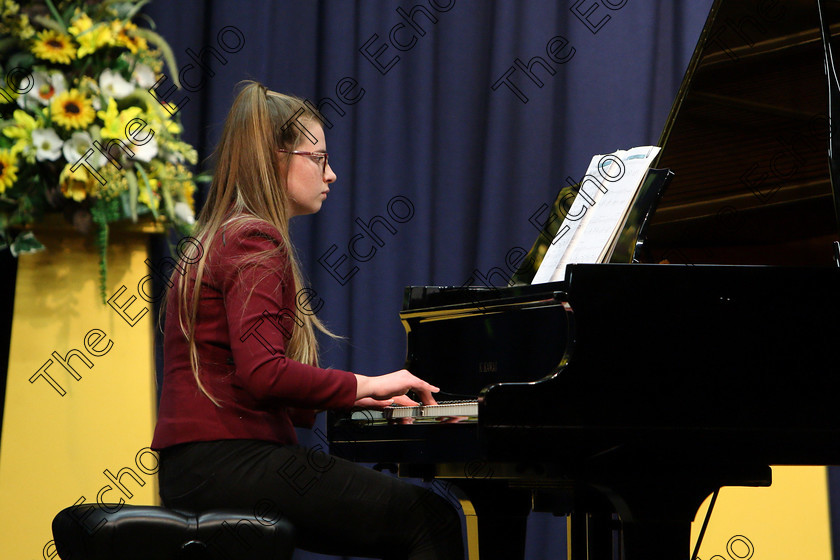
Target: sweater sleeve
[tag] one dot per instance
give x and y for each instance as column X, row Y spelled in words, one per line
column 301, row 418
column 260, row 326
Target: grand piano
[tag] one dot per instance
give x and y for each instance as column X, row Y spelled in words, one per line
column 627, row 393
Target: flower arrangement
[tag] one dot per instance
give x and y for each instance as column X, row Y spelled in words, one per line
column 80, row 133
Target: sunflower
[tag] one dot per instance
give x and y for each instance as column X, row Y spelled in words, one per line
column 127, row 38
column 71, row 109
column 54, row 46
column 8, row 170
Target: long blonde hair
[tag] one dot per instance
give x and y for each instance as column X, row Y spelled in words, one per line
column 248, row 187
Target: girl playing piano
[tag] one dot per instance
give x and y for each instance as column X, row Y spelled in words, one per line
column 241, row 365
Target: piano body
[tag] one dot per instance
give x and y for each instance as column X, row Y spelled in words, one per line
column 627, row 393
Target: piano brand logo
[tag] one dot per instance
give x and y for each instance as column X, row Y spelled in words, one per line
column 399, row 208
column 488, row 367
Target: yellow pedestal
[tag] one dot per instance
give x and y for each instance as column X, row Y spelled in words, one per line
column 91, row 442
column 790, row 519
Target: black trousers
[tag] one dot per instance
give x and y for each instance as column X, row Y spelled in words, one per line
column 337, row 507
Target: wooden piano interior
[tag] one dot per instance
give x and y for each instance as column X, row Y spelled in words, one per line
column 747, row 139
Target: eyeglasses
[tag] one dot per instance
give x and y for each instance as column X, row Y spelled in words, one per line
column 317, row 156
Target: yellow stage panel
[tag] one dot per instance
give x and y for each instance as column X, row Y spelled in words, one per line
column 92, row 441
column 790, row 519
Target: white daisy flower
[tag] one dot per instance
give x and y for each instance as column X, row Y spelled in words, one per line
column 143, row 76
column 46, row 87
column 47, row 144
column 184, row 212
column 113, row 84
column 77, row 146
column 147, row 151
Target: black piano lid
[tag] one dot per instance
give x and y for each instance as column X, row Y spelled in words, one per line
column 747, row 138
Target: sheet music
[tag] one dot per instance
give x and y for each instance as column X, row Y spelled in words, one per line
column 571, row 224
column 598, row 211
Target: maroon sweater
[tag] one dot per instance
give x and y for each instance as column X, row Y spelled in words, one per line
column 241, row 345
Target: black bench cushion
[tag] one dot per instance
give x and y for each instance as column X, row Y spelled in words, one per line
column 124, row 532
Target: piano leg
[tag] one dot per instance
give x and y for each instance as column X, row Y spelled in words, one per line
column 656, row 517
column 648, row 539
column 656, row 511
column 502, row 514
column 589, row 536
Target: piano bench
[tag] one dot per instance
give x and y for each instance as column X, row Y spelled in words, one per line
column 124, row 532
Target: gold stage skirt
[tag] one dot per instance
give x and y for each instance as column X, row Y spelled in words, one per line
column 79, row 432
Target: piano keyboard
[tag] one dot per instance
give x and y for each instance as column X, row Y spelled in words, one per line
column 443, row 409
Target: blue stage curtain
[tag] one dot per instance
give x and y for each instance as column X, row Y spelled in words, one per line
column 463, row 165
column 438, row 120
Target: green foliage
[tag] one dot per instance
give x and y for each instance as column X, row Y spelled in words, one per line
column 91, row 66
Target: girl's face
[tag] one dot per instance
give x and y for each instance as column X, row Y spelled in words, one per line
column 307, row 183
